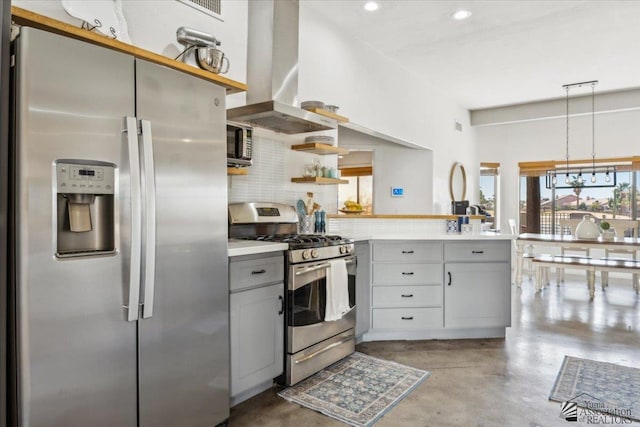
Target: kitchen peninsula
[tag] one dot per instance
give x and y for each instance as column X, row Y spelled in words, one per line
column 416, row 281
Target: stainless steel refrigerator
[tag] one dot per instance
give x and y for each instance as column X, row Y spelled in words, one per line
column 121, row 240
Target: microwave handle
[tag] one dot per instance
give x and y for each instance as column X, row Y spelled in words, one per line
column 236, row 145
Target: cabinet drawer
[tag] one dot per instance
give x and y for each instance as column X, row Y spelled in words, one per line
column 407, row 274
column 477, row 251
column 407, row 251
column 406, row 318
column 407, row 296
column 255, row 272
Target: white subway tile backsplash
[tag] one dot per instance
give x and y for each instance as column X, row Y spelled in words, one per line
column 378, row 227
column 274, row 164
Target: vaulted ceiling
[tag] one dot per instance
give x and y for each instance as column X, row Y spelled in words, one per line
column 507, row 52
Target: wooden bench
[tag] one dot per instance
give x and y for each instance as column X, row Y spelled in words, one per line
column 543, row 263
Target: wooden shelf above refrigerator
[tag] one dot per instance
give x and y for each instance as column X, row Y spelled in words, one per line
column 317, row 148
column 31, row 19
column 319, row 180
column 237, row 171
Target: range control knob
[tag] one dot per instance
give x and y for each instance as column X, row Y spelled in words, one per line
column 343, row 249
column 314, row 253
column 305, row 254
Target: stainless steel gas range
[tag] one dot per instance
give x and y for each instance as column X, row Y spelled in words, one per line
column 311, row 342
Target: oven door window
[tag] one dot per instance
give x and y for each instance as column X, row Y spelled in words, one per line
column 307, row 304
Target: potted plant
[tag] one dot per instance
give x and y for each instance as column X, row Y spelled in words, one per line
column 607, row 233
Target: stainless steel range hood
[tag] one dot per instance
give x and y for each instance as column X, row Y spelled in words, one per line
column 272, row 72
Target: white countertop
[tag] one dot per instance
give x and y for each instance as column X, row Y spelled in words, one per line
column 447, row 236
column 237, row 247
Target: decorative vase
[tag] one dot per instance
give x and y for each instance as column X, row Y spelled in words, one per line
column 587, row 229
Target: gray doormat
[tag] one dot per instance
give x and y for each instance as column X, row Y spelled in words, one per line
column 358, row 390
column 603, row 391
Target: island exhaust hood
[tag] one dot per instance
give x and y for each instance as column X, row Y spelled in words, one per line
column 272, row 72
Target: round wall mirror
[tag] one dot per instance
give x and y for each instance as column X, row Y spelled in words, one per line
column 457, row 182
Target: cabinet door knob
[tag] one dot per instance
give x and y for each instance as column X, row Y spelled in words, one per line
column 449, row 273
column 259, row 271
column 407, row 318
column 407, row 252
column 477, row 252
column 281, row 305
column 405, row 273
column 407, row 295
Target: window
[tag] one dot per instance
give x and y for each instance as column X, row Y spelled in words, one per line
column 359, row 189
column 357, row 168
column 613, row 195
column 489, row 189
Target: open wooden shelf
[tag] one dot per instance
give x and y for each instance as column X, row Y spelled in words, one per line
column 326, row 113
column 31, row 19
column 237, row 171
column 318, row 148
column 319, row 180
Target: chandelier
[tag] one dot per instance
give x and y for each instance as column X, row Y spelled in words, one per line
column 576, row 170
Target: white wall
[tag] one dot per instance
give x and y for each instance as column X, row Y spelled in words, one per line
column 397, row 166
column 376, row 93
column 152, row 26
column 616, row 134
column 334, row 67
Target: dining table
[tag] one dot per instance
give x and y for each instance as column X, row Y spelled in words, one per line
column 568, row 241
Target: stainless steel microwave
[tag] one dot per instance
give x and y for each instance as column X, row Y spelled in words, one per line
column 239, row 145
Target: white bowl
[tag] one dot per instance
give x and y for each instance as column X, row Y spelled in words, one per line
column 310, row 105
column 320, row 139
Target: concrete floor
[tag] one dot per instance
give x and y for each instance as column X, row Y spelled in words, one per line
column 493, row 382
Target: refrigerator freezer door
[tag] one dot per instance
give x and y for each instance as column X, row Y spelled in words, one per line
column 184, row 346
column 76, row 352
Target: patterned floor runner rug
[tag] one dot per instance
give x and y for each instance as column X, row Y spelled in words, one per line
column 597, row 392
column 357, row 390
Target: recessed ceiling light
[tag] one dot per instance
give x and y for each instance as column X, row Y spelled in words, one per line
column 461, row 15
column 371, row 6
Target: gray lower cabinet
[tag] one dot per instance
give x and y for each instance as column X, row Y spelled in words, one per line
column 257, row 323
column 477, row 295
column 439, row 289
column 406, row 292
column 477, row 288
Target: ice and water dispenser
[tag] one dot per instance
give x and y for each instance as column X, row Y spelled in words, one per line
column 85, row 209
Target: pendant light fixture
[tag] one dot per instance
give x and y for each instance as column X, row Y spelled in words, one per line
column 609, row 171
column 593, row 131
column 566, row 87
column 566, row 179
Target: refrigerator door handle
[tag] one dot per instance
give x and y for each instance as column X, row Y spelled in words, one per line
column 131, row 305
column 150, row 219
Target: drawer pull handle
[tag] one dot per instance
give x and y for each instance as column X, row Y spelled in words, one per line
column 259, row 271
column 407, row 295
column 410, row 273
column 281, row 305
column 477, row 252
column 449, row 273
column 407, row 252
column 407, row 318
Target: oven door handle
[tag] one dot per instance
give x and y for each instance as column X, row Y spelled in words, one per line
column 327, row 348
column 321, row 267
